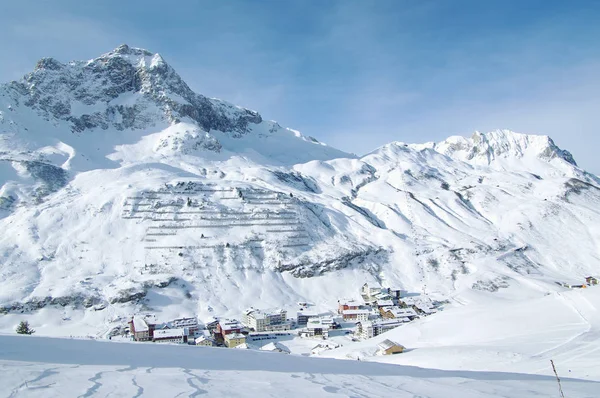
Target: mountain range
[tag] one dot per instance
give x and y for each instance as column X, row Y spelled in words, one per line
column 123, row 191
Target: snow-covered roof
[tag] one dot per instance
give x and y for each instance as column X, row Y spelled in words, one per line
column 402, row 312
column 181, row 322
column 387, row 344
column 385, row 303
column 139, row 325
column 230, row 324
column 307, row 313
column 263, row 314
column 275, row 346
column 388, row 322
column 393, row 289
column 234, row 336
column 355, row 312
column 350, row 302
column 169, row 333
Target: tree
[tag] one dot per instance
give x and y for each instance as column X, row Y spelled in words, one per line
column 24, row 328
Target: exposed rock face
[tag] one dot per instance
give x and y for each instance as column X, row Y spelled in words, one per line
column 86, row 94
column 487, row 147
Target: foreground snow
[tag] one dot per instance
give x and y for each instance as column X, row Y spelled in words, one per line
column 43, row 367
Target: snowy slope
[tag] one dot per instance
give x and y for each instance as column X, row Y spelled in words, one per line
column 36, row 367
column 500, row 335
column 123, row 191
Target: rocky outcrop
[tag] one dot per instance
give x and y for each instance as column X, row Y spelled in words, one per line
column 57, row 90
column 308, row 269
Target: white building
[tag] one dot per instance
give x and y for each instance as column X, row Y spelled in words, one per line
column 355, row 315
column 303, row 316
column 178, row 336
column 190, row 323
column 369, row 329
column 266, row 321
column 317, row 327
column 370, row 291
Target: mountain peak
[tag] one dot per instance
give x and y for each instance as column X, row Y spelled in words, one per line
column 485, row 148
column 124, row 49
column 122, row 89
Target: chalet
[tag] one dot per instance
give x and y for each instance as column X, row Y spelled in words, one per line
column 205, row 341
column 140, row 329
column 590, row 280
column 408, row 314
column 233, row 340
column 348, row 304
column 178, row 335
column 229, row 326
column 388, row 347
column 355, row 315
column 421, row 305
column 266, row 321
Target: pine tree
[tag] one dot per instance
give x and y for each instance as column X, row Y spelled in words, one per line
column 24, row 328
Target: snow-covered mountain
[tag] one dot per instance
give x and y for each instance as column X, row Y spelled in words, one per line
column 123, row 190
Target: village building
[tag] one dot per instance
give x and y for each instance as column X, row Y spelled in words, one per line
column 266, row 321
column 328, row 321
column 233, row 340
column 388, row 347
column 348, row 304
column 382, row 296
column 384, row 303
column 302, row 317
column 140, row 329
column 355, row 315
column 370, row 291
column 394, row 292
column 421, row 305
column 229, row 326
column 190, row 323
column 590, row 280
column 369, row 329
column 212, row 324
column 178, row 336
column 317, row 327
column 205, row 341
column 408, row 314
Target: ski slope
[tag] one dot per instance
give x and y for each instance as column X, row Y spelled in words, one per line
column 500, row 335
column 44, row 367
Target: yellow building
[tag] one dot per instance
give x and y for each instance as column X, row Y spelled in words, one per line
column 388, row 347
column 234, row 339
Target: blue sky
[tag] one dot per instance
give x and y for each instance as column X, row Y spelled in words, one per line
column 354, row 74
